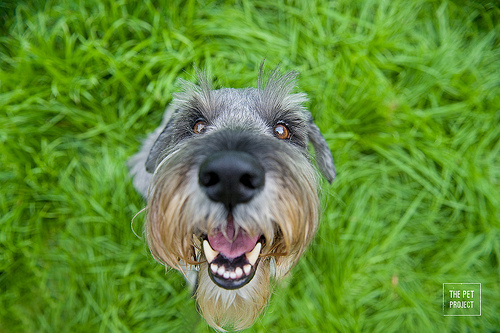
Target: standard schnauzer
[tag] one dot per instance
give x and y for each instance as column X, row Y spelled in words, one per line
column 232, row 194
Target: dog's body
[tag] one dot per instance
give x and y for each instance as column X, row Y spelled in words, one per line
column 232, row 192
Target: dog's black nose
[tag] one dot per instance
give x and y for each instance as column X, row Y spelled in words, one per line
column 231, row 177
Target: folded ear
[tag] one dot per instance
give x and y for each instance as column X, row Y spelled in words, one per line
column 324, row 158
column 163, row 141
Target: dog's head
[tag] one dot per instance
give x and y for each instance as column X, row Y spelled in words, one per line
column 234, row 187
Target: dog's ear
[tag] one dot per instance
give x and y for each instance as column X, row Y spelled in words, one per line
column 324, row 158
column 163, row 140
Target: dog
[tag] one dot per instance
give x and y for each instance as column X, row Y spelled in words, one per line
column 232, row 191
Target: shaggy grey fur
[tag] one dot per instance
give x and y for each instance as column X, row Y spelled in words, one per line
column 283, row 211
column 227, row 108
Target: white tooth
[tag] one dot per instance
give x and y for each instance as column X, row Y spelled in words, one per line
column 221, row 270
column 247, row 268
column 238, row 272
column 210, row 254
column 254, row 255
column 214, row 268
column 232, row 275
column 226, row 275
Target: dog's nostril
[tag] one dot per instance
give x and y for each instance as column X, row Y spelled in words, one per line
column 246, row 180
column 209, row 179
column 250, row 181
column 231, row 177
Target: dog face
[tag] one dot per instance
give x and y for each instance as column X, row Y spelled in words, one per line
column 233, row 191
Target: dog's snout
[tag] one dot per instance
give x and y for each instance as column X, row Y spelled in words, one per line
column 231, row 177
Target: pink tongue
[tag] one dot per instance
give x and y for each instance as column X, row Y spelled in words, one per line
column 232, row 248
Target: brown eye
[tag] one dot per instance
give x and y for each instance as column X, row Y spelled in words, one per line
column 281, row 132
column 200, row 127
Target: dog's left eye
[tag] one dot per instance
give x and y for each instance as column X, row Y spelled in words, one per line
column 200, row 127
column 281, row 132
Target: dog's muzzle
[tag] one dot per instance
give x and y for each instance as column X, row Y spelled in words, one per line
column 231, row 178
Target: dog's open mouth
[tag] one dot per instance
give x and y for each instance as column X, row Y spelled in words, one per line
column 232, row 261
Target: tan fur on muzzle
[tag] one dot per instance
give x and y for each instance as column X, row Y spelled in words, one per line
column 177, row 210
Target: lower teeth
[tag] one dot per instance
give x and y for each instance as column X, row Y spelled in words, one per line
column 236, row 274
column 217, row 265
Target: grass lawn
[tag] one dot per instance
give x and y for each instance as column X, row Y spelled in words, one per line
column 407, row 94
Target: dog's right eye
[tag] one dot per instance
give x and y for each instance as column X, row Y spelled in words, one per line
column 281, row 131
column 200, row 127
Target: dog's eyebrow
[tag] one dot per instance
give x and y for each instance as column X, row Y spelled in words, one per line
column 292, row 117
column 198, row 107
column 192, row 114
column 196, row 98
column 278, row 102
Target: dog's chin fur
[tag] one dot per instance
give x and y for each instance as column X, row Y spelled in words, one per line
column 237, row 308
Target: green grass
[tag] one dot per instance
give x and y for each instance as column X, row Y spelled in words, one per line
column 407, row 94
